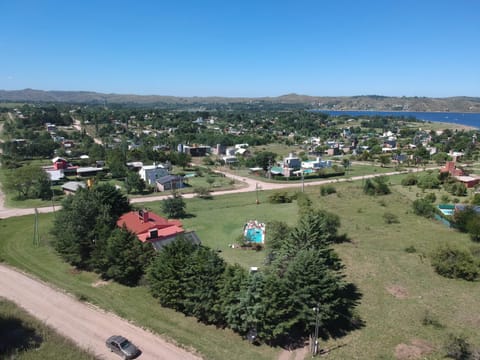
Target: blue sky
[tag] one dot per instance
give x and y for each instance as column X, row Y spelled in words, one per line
column 242, row 48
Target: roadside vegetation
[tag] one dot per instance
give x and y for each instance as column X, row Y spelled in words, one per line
column 24, row 337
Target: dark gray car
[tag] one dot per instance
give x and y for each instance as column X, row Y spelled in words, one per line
column 123, row 347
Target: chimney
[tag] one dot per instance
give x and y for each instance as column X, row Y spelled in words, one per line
column 143, row 215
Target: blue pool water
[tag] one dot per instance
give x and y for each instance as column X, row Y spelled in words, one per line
column 255, row 235
column 447, row 211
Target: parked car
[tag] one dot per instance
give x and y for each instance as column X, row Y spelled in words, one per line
column 123, row 347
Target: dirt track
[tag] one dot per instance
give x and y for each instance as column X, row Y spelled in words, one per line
column 86, row 325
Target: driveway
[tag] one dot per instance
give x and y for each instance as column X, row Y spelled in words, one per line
column 86, row 325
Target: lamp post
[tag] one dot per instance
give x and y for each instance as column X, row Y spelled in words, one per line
column 315, row 336
column 303, row 180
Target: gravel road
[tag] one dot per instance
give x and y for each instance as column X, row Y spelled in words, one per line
column 86, row 325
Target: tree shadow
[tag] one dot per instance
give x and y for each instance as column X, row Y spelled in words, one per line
column 342, row 238
column 15, row 336
column 348, row 319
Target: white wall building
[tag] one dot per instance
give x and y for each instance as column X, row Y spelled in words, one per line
column 150, row 173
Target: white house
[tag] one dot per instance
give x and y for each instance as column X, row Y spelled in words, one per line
column 318, row 163
column 151, row 173
column 292, row 162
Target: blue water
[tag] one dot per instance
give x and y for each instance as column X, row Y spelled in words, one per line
column 468, row 119
column 255, row 235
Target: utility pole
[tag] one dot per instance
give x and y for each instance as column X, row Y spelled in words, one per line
column 36, row 235
column 53, row 196
column 256, row 193
column 303, row 181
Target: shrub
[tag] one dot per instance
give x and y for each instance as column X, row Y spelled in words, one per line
column 409, row 180
column 280, row 197
column 428, row 181
column 455, row 263
column 476, row 199
column 410, row 249
column 174, row 207
column 202, row 192
column 473, row 228
column 456, row 189
column 390, row 218
column 430, row 197
column 457, row 347
column 430, row 320
column 327, row 190
column 464, row 218
column 424, row 208
column 445, row 198
column 303, row 201
column 376, row 186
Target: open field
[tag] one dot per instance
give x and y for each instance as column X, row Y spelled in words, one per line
column 400, row 289
column 24, row 337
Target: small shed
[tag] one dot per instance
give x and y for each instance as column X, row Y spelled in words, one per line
column 72, row 187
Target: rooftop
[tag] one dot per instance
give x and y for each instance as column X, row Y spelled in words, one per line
column 143, row 222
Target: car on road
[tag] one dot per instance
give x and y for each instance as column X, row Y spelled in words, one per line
column 123, row 347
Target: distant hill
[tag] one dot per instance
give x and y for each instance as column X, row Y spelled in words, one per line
column 364, row 102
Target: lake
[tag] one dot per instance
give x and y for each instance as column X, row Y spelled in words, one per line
column 468, row 119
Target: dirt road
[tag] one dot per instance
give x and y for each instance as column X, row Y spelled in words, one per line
column 86, row 325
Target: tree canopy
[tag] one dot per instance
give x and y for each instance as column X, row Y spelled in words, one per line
column 86, row 217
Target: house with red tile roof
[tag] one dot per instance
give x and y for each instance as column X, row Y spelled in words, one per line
column 152, row 228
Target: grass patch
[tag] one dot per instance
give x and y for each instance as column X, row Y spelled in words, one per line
column 24, row 337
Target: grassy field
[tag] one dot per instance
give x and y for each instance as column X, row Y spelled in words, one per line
column 400, row 289
column 23, row 337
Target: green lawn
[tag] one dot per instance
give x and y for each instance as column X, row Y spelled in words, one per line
column 28, row 338
column 219, row 222
column 399, row 288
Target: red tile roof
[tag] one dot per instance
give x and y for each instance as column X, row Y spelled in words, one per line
column 142, row 223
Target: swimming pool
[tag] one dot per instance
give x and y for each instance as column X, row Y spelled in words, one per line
column 447, row 210
column 254, row 235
